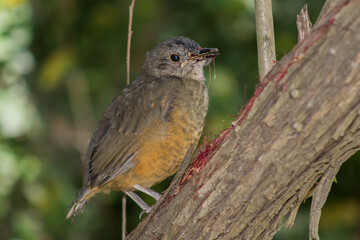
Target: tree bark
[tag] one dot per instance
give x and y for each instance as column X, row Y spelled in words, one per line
column 302, row 123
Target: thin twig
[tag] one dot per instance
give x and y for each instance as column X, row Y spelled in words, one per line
column 131, row 10
column 265, row 36
column 123, row 229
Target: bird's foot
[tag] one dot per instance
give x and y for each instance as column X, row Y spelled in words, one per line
column 145, row 211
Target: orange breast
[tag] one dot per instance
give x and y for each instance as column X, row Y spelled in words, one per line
column 163, row 147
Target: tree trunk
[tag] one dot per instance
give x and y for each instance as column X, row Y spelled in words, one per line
column 301, row 125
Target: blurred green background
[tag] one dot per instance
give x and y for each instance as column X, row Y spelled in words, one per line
column 61, row 63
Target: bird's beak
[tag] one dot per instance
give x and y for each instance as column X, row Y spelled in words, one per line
column 204, row 53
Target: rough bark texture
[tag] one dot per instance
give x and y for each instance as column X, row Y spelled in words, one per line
column 303, row 24
column 301, row 125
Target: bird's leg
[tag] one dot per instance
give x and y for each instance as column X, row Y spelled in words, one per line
column 139, row 202
column 148, row 191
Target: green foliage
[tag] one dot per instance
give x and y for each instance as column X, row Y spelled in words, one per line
column 61, row 63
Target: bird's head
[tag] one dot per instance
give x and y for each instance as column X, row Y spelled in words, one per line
column 180, row 57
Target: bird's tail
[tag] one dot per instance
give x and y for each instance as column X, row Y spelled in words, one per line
column 80, row 201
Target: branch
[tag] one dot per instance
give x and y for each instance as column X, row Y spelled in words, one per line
column 328, row 6
column 303, row 24
column 302, row 123
column 265, row 37
column 131, row 10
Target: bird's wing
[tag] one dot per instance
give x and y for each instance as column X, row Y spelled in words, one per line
column 114, row 144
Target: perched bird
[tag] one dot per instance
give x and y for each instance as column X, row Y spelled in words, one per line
column 147, row 129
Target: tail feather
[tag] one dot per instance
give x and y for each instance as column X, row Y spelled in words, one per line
column 80, row 201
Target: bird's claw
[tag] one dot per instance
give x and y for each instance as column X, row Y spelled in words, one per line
column 145, row 211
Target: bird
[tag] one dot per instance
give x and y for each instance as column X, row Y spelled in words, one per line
column 147, row 129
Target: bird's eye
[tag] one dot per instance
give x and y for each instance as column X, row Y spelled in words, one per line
column 175, row 57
